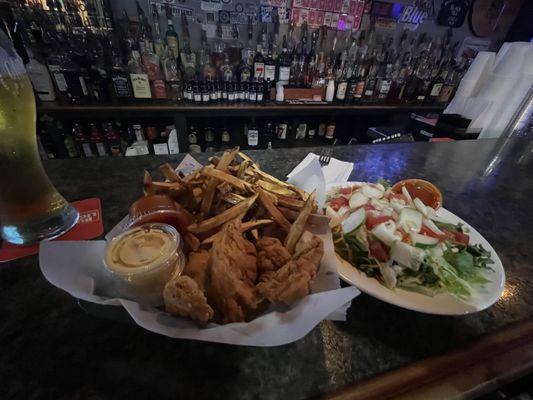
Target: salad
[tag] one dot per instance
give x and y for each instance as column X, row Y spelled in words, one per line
column 390, row 234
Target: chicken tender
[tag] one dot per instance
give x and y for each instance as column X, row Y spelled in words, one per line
column 233, row 273
column 271, row 256
column 184, row 297
column 293, row 281
column 197, row 267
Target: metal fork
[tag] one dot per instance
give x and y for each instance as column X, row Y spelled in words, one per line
column 325, row 157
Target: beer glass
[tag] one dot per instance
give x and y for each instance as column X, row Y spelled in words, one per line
column 31, row 209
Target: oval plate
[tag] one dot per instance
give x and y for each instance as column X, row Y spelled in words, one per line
column 443, row 304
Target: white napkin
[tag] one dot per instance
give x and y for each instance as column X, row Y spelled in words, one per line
column 335, row 171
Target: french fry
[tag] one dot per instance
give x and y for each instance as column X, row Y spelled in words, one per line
column 147, row 183
column 277, row 189
column 270, row 178
column 314, row 219
column 192, row 241
column 298, row 226
column 290, row 202
column 220, row 219
column 246, row 226
column 232, row 198
column 225, row 177
column 170, row 173
column 222, row 164
column 266, row 202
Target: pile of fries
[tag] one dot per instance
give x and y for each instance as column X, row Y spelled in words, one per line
column 231, row 186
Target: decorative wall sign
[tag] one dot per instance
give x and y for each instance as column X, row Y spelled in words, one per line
column 413, row 15
column 453, row 13
column 383, row 9
column 274, row 3
column 487, row 16
column 339, row 14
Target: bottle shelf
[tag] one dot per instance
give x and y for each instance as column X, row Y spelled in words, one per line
column 237, row 109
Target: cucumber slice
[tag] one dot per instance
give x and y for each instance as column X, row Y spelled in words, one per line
column 385, row 232
column 423, row 241
column 406, row 194
column 407, row 255
column 354, row 221
column 420, row 206
column 410, row 220
column 434, row 228
column 372, row 192
column 357, row 200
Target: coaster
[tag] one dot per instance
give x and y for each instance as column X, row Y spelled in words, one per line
column 89, row 226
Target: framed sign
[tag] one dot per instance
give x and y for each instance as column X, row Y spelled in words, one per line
column 453, row 13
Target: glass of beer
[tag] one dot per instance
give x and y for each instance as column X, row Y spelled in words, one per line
column 31, row 209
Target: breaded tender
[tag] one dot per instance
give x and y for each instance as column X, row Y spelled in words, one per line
column 183, row 297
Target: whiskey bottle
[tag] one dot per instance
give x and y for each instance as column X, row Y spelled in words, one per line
column 139, row 79
column 171, row 36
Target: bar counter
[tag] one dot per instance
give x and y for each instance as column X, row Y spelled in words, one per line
column 52, row 348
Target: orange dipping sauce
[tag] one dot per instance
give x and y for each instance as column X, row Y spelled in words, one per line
column 427, row 192
column 158, row 208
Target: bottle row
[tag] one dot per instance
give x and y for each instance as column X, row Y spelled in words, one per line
column 57, row 139
column 138, row 62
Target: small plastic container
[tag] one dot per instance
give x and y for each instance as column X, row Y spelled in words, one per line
column 157, row 208
column 142, row 260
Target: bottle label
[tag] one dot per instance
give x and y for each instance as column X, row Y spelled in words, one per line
column 445, row 93
column 259, row 70
column 359, row 88
column 160, row 148
column 192, row 138
column 120, row 83
column 284, row 74
column 260, row 96
column 253, row 137
column 270, row 72
column 321, row 130
column 252, row 96
column 437, row 87
column 231, row 96
column 213, row 95
column 245, row 75
column 341, row 90
column 172, row 42
column 141, row 86
column 282, row 131
column 100, row 148
column 369, row 92
column 224, row 95
column 385, row 86
column 300, row 131
column 205, row 97
column 228, row 74
column 330, row 131
column 87, row 151
column 197, row 97
column 421, row 98
column 160, row 90
column 311, row 133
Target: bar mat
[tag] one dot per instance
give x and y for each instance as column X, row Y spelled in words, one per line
column 88, row 227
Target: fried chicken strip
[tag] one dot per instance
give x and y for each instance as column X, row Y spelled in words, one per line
column 271, row 256
column 233, row 272
column 184, row 297
column 197, row 267
column 293, row 281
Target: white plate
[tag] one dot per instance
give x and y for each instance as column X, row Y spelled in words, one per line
column 444, row 304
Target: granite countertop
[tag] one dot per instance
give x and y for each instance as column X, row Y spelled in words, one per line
column 51, row 348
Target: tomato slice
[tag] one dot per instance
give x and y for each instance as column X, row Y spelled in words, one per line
column 346, row 190
column 379, row 251
column 373, row 220
column 338, row 202
column 428, row 232
column 457, row 237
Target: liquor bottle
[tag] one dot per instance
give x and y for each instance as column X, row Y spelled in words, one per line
column 260, row 89
column 171, row 36
column 384, row 81
column 371, row 80
column 231, row 90
column 209, row 136
column 204, row 90
column 192, row 137
column 330, row 132
column 68, row 140
column 436, row 86
column 399, row 76
column 259, row 63
column 226, row 69
column 225, row 138
column 82, row 140
column 270, row 67
column 150, row 63
column 212, row 89
column 97, row 141
column 113, row 140
column 77, row 91
column 361, row 79
column 219, row 48
column 159, row 45
column 424, row 83
column 284, row 64
column 267, row 91
column 172, row 75
column 330, row 90
column 342, row 86
column 188, row 58
column 449, row 85
column 235, row 47
column 120, row 83
column 208, row 70
column 281, row 132
column 40, row 78
column 139, row 79
column 197, row 93
column 253, row 134
column 138, row 132
column 270, row 133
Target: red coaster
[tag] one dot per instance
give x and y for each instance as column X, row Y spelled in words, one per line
column 88, row 227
